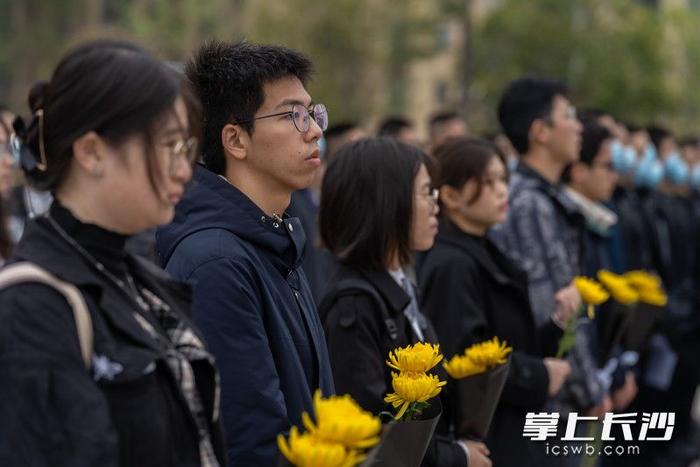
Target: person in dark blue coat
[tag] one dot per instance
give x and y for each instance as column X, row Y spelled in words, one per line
column 233, row 241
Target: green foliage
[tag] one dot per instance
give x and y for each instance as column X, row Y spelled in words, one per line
column 638, row 62
column 615, row 55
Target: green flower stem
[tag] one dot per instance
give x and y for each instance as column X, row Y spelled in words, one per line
column 568, row 340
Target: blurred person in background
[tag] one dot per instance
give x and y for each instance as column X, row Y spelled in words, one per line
column 473, row 292
column 590, row 184
column 444, row 125
column 543, row 232
column 387, row 181
column 111, row 136
column 400, row 128
column 503, row 144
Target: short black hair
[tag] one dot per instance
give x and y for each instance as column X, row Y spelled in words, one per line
column 689, row 140
column 657, row 134
column 463, row 158
column 592, row 138
column 525, row 100
column 339, row 129
column 367, row 200
column 441, row 118
column 393, row 126
column 229, row 80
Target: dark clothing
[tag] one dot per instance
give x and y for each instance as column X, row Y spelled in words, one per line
column 318, row 261
column 359, row 345
column 472, row 292
column 254, row 306
column 596, row 253
column 128, row 409
column 543, row 235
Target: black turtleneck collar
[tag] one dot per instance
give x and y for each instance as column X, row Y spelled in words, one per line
column 104, row 245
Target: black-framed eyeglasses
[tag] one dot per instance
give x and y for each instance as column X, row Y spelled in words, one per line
column 301, row 117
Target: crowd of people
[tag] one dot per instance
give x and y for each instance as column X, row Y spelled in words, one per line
column 206, row 251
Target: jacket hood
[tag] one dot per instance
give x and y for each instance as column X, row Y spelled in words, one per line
column 211, row 202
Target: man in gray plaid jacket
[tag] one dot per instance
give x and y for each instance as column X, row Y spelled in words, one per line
column 543, row 230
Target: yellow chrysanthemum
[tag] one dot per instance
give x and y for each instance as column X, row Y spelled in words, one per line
column 461, row 366
column 417, row 358
column 642, row 280
column 478, row 358
column 412, row 387
column 655, row 297
column 592, row 293
column 340, row 419
column 489, row 353
column 621, row 291
column 306, row 450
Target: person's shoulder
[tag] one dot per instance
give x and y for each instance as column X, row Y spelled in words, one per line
column 214, row 244
column 445, row 255
column 35, row 307
column 529, row 198
column 349, row 289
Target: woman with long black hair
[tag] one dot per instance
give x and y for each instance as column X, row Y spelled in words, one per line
column 112, row 136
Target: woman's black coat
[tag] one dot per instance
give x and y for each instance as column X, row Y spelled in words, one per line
column 359, row 344
column 53, row 412
column 472, row 292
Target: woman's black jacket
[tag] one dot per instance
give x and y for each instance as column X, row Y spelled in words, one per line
column 127, row 410
column 359, row 343
column 472, row 292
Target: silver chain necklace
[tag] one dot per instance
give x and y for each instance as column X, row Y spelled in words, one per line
column 131, row 292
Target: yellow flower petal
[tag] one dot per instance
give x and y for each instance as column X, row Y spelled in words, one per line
column 412, row 387
column 653, row 297
column 618, row 287
column 643, row 280
column 307, row 450
column 478, row 358
column 418, row 358
column 592, row 293
column 340, row 419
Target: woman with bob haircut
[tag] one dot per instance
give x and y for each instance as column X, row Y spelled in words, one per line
column 473, row 292
column 377, row 208
column 112, row 136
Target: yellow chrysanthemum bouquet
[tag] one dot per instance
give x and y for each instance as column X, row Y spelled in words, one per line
column 649, row 309
column 338, row 437
column 592, row 294
column 413, row 385
column 628, row 292
column 406, row 436
column 479, row 375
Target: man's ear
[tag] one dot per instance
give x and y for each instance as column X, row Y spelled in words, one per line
column 235, row 141
column 539, row 131
column 89, row 152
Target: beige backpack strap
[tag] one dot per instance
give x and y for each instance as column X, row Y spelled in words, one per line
column 28, row 272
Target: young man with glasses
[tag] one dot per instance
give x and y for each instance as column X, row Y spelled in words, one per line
column 232, row 240
column 543, row 232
